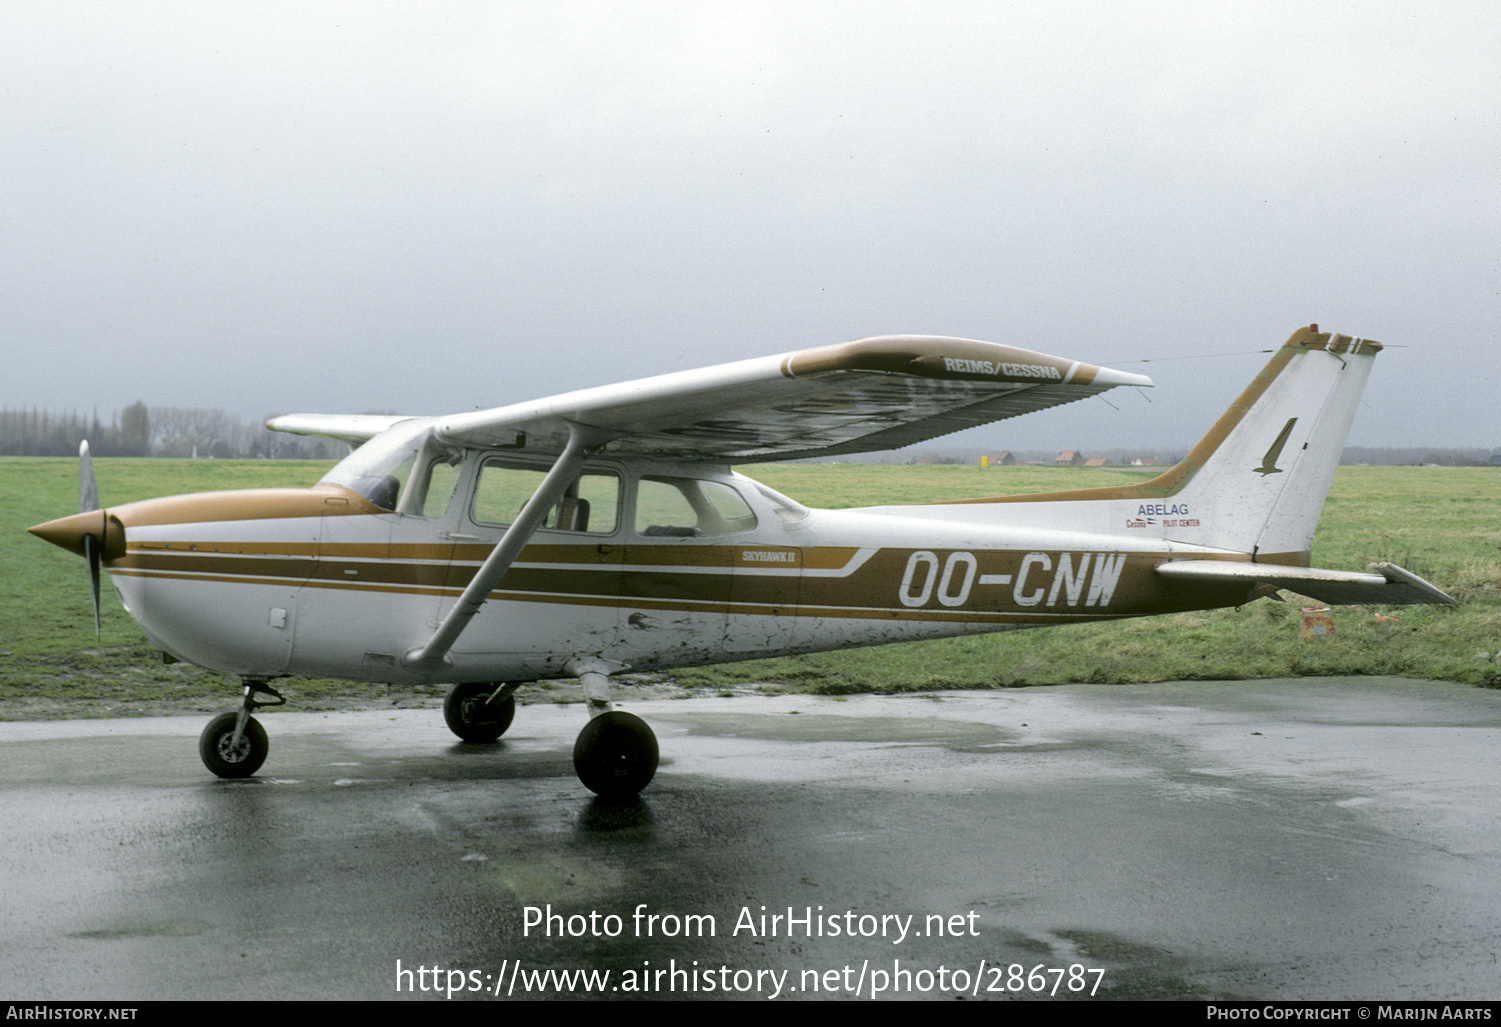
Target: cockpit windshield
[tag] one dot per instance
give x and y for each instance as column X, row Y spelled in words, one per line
column 381, row 469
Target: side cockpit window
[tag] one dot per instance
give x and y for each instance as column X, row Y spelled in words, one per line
column 430, row 488
column 671, row 507
column 591, row 504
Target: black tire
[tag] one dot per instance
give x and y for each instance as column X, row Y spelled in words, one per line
column 226, row 759
column 469, row 717
column 616, row 754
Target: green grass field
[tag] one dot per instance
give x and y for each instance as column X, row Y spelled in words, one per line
column 1441, row 523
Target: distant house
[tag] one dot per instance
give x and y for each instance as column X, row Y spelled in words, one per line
column 1144, row 461
column 1096, row 461
column 1070, row 458
column 1006, row 459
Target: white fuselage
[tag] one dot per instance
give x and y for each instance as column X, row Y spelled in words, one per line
column 335, row 587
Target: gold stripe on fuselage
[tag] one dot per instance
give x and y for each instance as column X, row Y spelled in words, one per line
column 980, row 587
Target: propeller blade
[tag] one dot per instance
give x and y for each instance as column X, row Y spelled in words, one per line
column 91, row 553
column 88, row 488
column 88, row 500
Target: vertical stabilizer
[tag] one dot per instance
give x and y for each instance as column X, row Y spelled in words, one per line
column 1257, row 481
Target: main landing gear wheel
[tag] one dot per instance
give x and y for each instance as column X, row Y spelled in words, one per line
column 473, row 719
column 616, row 754
column 227, row 757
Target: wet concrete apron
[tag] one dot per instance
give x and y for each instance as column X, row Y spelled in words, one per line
column 1316, row 839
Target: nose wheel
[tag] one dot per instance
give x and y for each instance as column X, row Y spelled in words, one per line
column 480, row 711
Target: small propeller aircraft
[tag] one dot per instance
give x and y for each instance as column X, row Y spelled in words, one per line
column 603, row 530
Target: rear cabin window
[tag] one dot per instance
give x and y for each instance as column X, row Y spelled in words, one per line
column 689, row 508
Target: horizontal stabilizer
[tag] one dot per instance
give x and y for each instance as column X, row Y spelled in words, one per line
column 1387, row 585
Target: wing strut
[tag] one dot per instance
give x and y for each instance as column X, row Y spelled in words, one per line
column 433, row 655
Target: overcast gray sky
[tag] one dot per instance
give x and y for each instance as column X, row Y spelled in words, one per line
column 431, row 207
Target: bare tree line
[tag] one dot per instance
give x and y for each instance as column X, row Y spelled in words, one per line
column 156, row 431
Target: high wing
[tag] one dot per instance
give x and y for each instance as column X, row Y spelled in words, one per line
column 871, row 394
